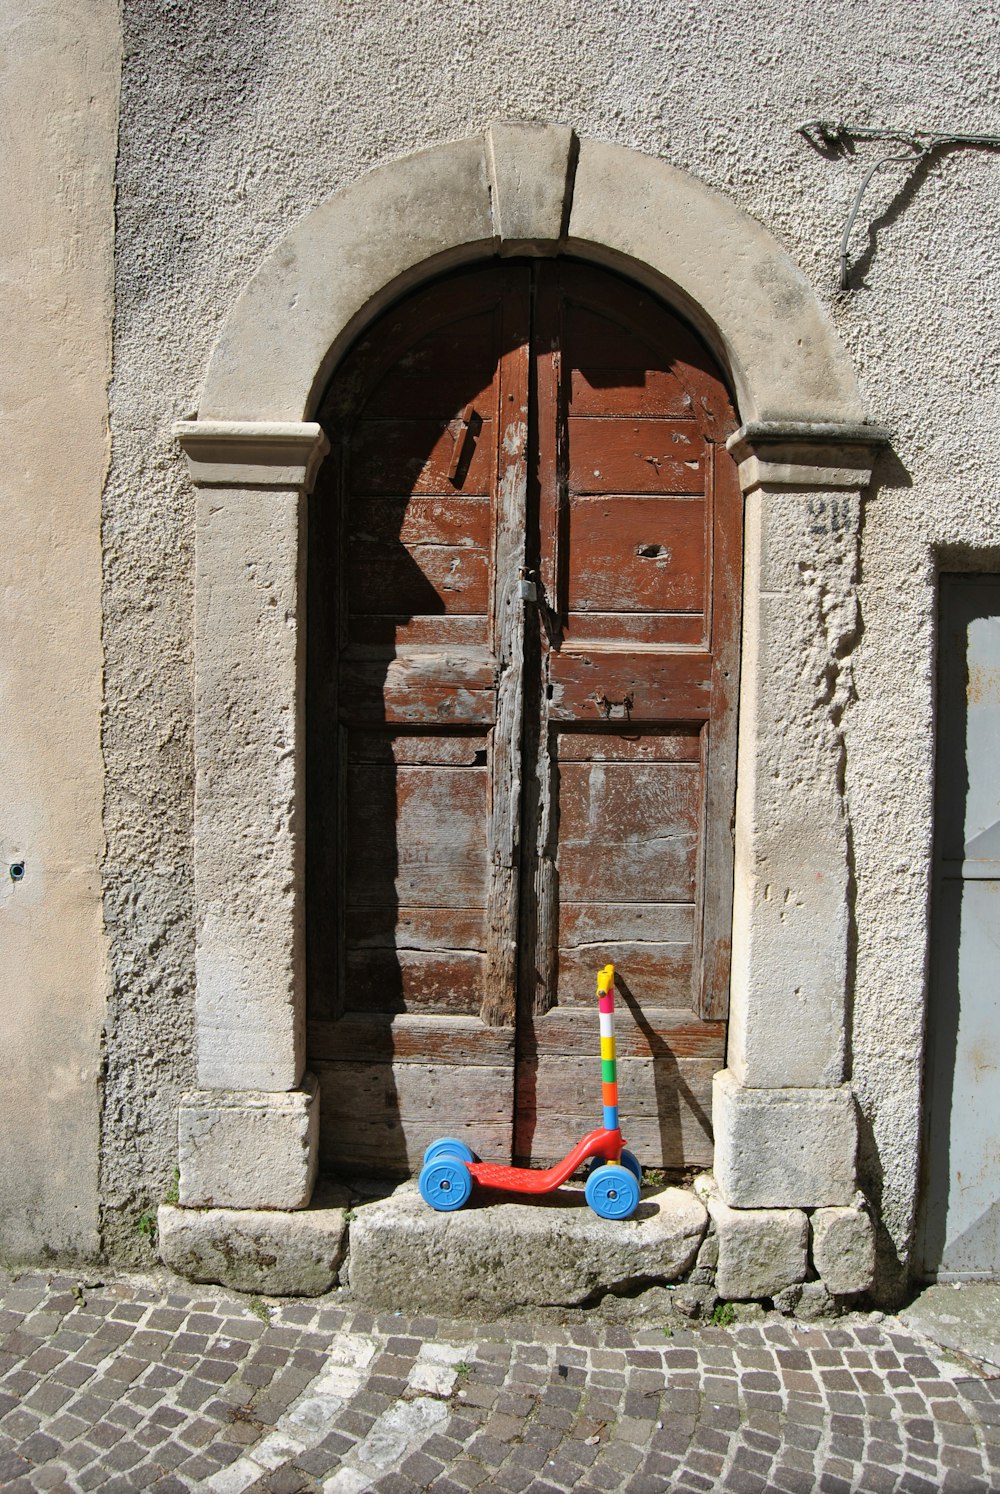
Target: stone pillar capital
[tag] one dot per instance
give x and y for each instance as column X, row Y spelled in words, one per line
column 252, row 453
column 804, row 455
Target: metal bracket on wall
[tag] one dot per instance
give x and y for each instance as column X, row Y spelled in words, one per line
column 838, row 140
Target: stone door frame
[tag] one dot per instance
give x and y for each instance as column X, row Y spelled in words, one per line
column 784, row 1113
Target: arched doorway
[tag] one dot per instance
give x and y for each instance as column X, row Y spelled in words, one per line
column 784, row 1113
column 525, row 556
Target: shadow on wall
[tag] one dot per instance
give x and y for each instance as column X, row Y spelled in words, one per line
column 891, row 1268
column 397, row 779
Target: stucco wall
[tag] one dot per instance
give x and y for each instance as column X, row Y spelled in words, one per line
column 58, row 97
column 237, row 118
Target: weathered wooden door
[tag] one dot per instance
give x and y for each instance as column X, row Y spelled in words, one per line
column 525, row 561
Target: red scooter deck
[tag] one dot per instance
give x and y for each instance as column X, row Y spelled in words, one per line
column 600, row 1143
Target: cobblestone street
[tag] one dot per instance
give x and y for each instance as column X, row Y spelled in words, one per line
column 140, row 1383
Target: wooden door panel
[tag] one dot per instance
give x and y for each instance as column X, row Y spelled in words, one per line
column 599, row 389
column 423, row 479
column 632, row 554
column 669, row 744
column 414, row 836
column 425, row 578
column 444, row 370
column 669, row 867
column 629, row 841
column 380, row 1117
column 661, row 974
column 395, row 979
column 629, row 373
column 635, row 456
column 413, row 927
column 438, row 386
column 419, row 556
column 624, row 804
column 451, row 686
column 393, row 457
column 665, row 1104
column 640, row 1032
column 410, row 1037
column 462, row 345
column 582, row 923
column 415, row 897
column 450, row 520
column 644, row 688
column 616, row 630
column 374, row 633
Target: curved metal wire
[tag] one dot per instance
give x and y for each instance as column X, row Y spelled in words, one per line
column 911, row 155
column 837, row 139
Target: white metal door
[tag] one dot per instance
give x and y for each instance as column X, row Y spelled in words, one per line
column 960, row 1218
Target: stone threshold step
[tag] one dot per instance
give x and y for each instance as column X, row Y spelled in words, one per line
column 494, row 1255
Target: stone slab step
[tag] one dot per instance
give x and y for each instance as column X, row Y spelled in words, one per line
column 498, row 1256
column 279, row 1252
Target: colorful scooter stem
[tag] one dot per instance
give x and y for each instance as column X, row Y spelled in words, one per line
column 609, row 1059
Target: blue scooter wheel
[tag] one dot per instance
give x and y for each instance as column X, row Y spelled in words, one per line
column 448, row 1147
column 445, row 1184
column 612, row 1192
column 629, row 1160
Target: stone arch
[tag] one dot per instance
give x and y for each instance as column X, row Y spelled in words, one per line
column 528, row 189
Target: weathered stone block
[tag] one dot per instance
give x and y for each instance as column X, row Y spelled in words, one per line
column 843, row 1249
column 249, row 848
column 248, row 1149
column 529, row 181
column 708, row 1255
column 784, row 1148
column 808, row 1300
column 495, row 1257
column 281, row 1253
column 694, row 1300
column 761, row 1251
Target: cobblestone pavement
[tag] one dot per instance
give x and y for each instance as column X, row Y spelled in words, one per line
column 144, row 1384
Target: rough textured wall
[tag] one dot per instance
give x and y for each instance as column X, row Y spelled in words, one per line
column 59, row 71
column 238, row 117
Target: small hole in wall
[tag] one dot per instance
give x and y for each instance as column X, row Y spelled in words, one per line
column 16, row 871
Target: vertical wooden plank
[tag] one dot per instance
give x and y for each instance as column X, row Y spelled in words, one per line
column 511, row 425
column 716, row 886
column 539, row 930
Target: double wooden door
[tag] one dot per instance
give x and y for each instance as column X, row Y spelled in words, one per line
column 525, row 556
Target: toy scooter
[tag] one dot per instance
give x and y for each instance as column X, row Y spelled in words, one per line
column 612, row 1189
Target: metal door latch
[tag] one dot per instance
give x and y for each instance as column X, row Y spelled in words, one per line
column 469, row 426
column 614, row 710
column 527, row 588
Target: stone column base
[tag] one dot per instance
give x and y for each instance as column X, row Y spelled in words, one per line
column 248, row 1149
column 760, row 1251
column 784, row 1148
column 788, row 1255
column 278, row 1252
